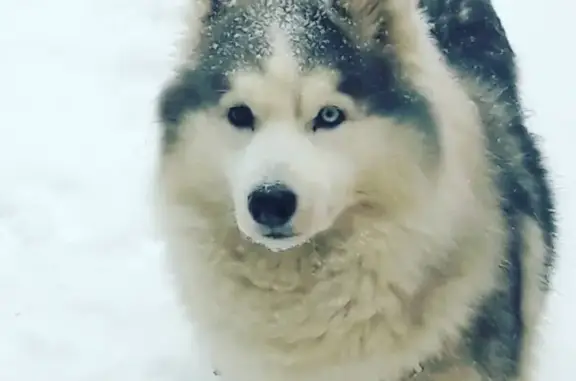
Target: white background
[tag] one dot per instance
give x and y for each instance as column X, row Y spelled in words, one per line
column 83, row 294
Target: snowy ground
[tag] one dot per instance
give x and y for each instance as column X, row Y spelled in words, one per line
column 83, row 295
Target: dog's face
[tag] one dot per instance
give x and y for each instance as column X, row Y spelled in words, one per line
column 290, row 115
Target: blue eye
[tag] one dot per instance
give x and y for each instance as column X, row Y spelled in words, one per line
column 329, row 117
column 241, row 116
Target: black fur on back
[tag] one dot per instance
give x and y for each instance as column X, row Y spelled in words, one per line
column 472, row 38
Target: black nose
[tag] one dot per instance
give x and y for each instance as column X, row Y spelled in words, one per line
column 272, row 205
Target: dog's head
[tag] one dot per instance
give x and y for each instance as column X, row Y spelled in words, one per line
column 290, row 112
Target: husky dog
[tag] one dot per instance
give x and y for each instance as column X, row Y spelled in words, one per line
column 348, row 192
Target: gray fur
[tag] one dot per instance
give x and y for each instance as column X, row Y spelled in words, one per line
column 473, row 39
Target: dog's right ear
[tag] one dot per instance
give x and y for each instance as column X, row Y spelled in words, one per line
column 199, row 15
column 377, row 22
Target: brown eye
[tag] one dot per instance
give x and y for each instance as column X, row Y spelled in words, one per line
column 329, row 117
column 241, row 116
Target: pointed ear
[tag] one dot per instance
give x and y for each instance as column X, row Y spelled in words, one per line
column 198, row 16
column 374, row 22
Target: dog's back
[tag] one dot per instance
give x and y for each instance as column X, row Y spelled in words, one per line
column 473, row 40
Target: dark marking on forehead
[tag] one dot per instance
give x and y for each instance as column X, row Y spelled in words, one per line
column 238, row 38
column 372, row 78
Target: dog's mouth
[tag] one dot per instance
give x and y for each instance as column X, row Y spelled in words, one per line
column 283, row 232
column 279, row 235
column 277, row 239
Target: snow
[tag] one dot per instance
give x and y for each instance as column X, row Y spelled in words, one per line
column 83, row 291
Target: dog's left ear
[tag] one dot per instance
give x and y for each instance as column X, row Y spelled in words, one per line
column 372, row 21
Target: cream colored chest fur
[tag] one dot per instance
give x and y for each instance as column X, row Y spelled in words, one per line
column 341, row 316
